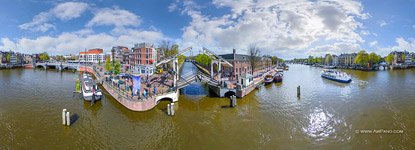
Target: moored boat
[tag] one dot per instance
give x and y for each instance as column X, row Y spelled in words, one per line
column 336, row 76
column 90, row 90
column 268, row 79
column 329, row 67
column 278, row 77
column 286, row 68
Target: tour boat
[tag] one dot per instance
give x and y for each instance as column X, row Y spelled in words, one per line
column 90, row 90
column 278, row 77
column 268, row 79
column 336, row 76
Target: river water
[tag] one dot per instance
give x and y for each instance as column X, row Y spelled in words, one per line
column 326, row 116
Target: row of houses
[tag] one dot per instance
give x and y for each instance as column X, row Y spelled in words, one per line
column 347, row 60
column 140, row 59
column 16, row 58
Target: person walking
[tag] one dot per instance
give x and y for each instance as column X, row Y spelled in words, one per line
column 155, row 90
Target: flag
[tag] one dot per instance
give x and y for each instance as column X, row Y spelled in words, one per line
column 136, row 83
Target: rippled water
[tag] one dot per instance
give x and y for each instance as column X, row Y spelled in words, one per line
column 326, row 115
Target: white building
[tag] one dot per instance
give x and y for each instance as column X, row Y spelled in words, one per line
column 92, row 55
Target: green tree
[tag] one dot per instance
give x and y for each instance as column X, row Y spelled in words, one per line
column 60, row 58
column 99, row 62
column 108, row 64
column 8, row 57
column 44, row 56
column 374, row 58
column 203, row 59
column 310, row 59
column 117, row 68
column 181, row 58
column 169, row 50
column 362, row 58
column 403, row 57
column 389, row 58
column 329, row 59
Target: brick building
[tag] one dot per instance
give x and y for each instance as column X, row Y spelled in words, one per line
column 143, row 58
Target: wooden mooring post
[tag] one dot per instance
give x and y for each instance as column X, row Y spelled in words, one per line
column 66, row 118
column 298, row 92
column 170, row 109
column 232, row 100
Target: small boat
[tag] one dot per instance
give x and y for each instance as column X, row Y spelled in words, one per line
column 90, row 90
column 286, row 68
column 278, row 77
column 336, row 76
column 329, row 67
column 268, row 79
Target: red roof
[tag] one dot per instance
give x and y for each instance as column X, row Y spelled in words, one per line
column 93, row 51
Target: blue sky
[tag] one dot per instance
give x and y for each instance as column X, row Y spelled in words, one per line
column 288, row 28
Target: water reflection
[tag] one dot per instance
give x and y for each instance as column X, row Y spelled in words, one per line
column 320, row 124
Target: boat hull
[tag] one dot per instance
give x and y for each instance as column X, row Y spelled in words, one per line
column 277, row 79
column 337, row 80
column 268, row 81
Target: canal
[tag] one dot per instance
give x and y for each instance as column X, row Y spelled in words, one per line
column 327, row 114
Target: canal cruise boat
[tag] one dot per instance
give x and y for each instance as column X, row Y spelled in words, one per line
column 336, row 76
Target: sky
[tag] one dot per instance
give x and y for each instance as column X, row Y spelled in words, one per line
column 284, row 28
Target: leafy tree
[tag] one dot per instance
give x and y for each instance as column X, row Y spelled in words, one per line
column 60, row 58
column 44, row 56
column 167, row 49
column 374, row 58
column 329, row 59
column 99, row 62
column 362, row 58
column 203, row 59
column 275, row 60
column 8, row 57
column 181, row 58
column 403, row 57
column 108, row 64
column 117, row 68
column 389, row 58
column 310, row 59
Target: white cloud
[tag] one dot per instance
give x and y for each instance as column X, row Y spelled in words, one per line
column 172, row 7
column 69, row 10
column 401, row 45
column 275, row 25
column 373, row 43
column 335, row 48
column 382, row 23
column 74, row 42
column 115, row 16
column 64, row 11
column 365, row 32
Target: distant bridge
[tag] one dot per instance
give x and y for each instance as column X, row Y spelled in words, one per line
column 58, row 65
